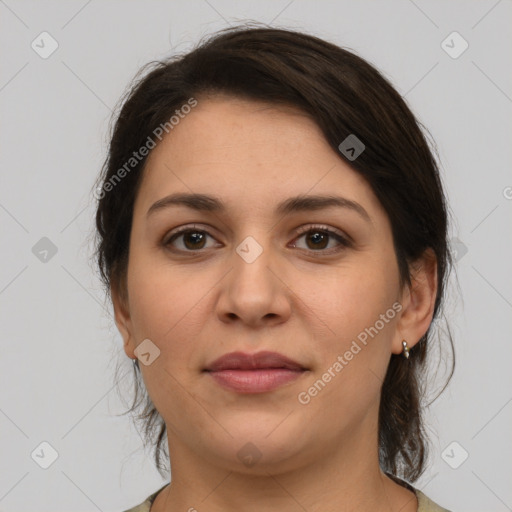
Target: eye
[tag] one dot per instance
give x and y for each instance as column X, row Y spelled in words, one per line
column 193, row 239
column 318, row 238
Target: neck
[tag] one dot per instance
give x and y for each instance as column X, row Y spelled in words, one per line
column 337, row 480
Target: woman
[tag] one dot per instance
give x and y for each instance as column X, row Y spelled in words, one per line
column 272, row 229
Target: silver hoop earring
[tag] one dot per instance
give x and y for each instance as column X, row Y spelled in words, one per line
column 405, row 351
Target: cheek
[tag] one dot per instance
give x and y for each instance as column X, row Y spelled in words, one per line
column 348, row 300
column 356, row 307
column 352, row 355
column 165, row 304
column 167, row 307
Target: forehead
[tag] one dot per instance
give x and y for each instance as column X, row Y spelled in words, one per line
column 239, row 129
column 248, row 152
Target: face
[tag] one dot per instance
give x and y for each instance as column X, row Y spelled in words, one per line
column 319, row 286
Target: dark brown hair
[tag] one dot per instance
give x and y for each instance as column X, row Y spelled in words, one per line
column 344, row 95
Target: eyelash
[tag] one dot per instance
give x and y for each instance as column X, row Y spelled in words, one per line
column 343, row 241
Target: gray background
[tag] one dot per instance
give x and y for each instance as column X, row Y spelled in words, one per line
column 59, row 346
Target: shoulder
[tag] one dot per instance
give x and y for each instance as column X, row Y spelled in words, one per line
column 425, row 504
column 145, row 506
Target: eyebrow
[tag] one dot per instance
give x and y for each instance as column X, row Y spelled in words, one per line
column 207, row 203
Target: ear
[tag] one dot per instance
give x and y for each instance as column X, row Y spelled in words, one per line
column 122, row 317
column 418, row 301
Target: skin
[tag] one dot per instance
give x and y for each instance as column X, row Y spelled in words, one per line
column 198, row 305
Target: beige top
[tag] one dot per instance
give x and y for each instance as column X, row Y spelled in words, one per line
column 424, row 503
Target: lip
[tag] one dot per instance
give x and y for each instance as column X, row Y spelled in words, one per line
column 255, row 381
column 257, row 361
column 254, row 373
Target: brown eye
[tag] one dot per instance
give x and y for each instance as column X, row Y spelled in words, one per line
column 318, row 239
column 194, row 239
column 191, row 240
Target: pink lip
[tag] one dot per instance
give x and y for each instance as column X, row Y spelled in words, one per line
column 255, row 381
column 243, row 361
column 254, row 373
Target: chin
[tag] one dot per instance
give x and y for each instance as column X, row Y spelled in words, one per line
column 259, row 451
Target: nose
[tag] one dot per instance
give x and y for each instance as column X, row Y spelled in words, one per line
column 254, row 292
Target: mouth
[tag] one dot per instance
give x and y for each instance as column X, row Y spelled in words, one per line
column 255, row 381
column 254, row 373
